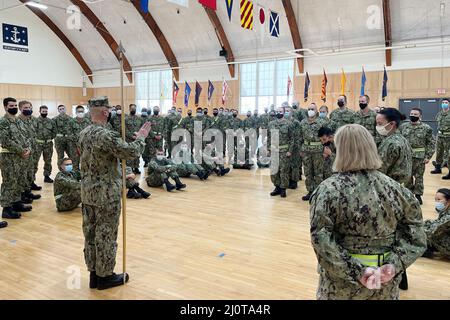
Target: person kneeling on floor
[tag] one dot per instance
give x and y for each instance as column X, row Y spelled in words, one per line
column 67, row 187
column 160, row 169
column 134, row 191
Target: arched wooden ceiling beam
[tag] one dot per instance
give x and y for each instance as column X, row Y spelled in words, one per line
column 38, row 12
column 387, row 30
column 221, row 35
column 106, row 35
column 295, row 33
column 163, row 43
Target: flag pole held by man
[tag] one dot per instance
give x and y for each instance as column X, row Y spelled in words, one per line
column 101, row 185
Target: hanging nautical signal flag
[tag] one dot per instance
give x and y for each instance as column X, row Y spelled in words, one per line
column 247, row 14
column 187, row 93
column 363, row 83
column 262, row 15
column 224, row 92
column 144, row 5
column 176, row 89
column 343, row 82
column 307, row 85
column 323, row 97
column 229, row 4
column 289, row 86
column 198, row 91
column 210, row 91
column 385, row 80
column 274, row 24
column 212, row 4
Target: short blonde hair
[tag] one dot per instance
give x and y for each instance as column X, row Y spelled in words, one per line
column 355, row 150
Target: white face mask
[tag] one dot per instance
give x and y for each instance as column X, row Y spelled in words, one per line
column 382, row 131
column 160, row 157
column 440, row 206
column 311, row 113
column 119, row 112
column 80, row 115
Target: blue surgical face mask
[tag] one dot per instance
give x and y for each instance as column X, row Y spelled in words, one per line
column 322, row 114
column 69, row 168
column 445, row 106
column 440, row 206
column 287, row 114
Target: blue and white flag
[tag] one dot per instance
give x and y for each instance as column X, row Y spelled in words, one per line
column 274, row 25
column 15, row 35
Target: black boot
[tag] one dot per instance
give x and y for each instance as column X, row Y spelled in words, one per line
column 93, row 280
column 47, row 179
column 169, row 186
column 283, row 193
column 32, row 196
column 112, row 281
column 307, row 197
column 404, row 282
column 200, row 175
column 429, row 253
column 20, row 207
column 9, row 213
column 136, row 171
column 35, row 187
column 447, row 177
column 293, row 185
column 145, row 164
column 25, row 200
column 131, row 194
column 419, row 198
column 179, row 184
column 437, row 169
column 143, row 193
column 217, row 171
column 224, row 171
column 205, row 175
column 3, row 224
column 275, row 192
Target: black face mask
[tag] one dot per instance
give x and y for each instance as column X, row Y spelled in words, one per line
column 341, row 103
column 27, row 112
column 215, row 114
column 133, row 112
column 363, row 106
column 13, row 111
column 144, row 115
column 44, row 115
column 109, row 117
column 149, row 113
column 249, row 115
column 155, row 113
column 327, row 144
column 280, row 115
column 205, row 112
column 414, row 119
column 234, row 115
column 189, row 114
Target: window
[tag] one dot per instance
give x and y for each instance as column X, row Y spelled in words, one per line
column 154, row 88
column 265, row 83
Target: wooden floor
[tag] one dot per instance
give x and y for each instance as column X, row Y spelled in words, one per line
column 221, row 239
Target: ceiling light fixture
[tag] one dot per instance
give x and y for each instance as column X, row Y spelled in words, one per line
column 36, row 5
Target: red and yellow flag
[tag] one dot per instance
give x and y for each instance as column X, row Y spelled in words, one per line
column 247, row 14
column 324, row 87
column 343, row 82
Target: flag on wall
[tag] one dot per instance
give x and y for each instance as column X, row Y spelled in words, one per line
column 210, row 91
column 247, row 14
column 229, row 4
column 262, row 15
column 187, row 93
column 224, row 92
column 363, row 83
column 198, row 91
column 385, row 89
column 144, row 5
column 289, row 86
column 323, row 97
column 212, row 4
column 307, row 85
column 176, row 89
column 343, row 82
column 274, row 24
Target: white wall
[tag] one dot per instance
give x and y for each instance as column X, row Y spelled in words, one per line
column 48, row 61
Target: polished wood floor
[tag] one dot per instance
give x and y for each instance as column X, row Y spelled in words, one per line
column 221, row 239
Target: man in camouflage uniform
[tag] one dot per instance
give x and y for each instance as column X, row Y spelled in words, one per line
column 116, row 119
column 185, row 165
column 420, row 137
column 134, row 191
column 132, row 125
column 299, row 113
column 234, row 124
column 63, row 123
column 311, row 150
column 13, row 151
column 263, row 125
column 188, row 124
column 211, row 162
column 443, row 139
column 67, row 187
column 101, row 186
column 172, row 123
column 342, row 116
column 295, row 161
column 45, row 133
column 280, row 175
column 160, row 169
column 217, row 127
column 367, row 117
column 154, row 140
column 326, row 136
column 78, row 124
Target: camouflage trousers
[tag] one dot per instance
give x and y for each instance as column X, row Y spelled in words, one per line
column 185, row 170
column 157, row 179
column 295, row 164
column 169, row 144
column 11, row 188
column 415, row 184
column 327, row 168
column 62, row 145
column 443, row 150
column 130, row 184
column 281, row 177
column 46, row 150
column 72, row 153
column 437, row 238
column 68, row 202
column 313, row 167
column 100, row 228
column 134, row 163
column 27, row 175
column 338, row 289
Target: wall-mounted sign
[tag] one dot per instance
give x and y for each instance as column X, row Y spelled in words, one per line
column 15, row 38
column 441, row 92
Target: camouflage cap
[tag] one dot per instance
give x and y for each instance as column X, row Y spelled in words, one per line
column 99, row 102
